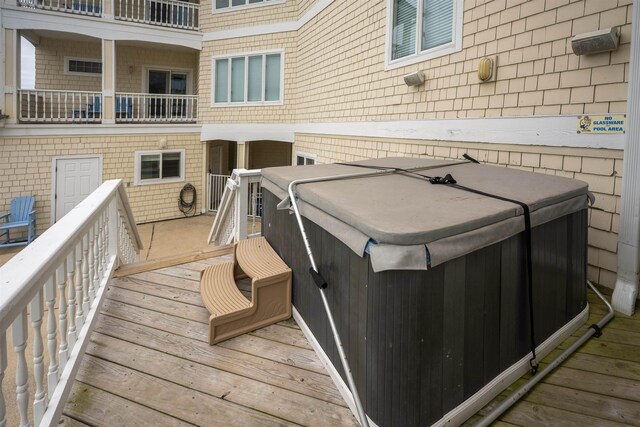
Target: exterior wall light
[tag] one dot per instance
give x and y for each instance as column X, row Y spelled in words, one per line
column 487, row 69
column 596, row 41
column 414, row 79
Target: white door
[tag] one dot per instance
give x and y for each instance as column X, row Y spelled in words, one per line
column 76, row 178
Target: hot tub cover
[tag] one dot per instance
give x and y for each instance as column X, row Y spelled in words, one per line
column 406, row 222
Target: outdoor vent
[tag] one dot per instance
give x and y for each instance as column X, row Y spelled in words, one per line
column 487, row 70
column 414, row 79
column 596, row 41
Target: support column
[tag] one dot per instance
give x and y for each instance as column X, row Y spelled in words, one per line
column 205, row 178
column 108, row 9
column 108, row 81
column 11, row 74
column 242, row 155
column 626, row 290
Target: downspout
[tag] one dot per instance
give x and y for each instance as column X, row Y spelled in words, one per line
column 626, row 289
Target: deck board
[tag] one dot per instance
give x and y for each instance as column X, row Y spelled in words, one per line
column 149, row 353
column 148, row 362
column 597, row 385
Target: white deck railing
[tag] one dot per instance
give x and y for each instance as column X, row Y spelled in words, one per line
column 74, row 259
column 216, row 184
column 166, row 13
column 59, row 106
column 240, row 208
column 146, row 107
column 82, row 7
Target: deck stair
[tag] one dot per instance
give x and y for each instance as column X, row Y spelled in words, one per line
column 231, row 313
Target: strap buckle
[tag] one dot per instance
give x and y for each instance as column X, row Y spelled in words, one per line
column 448, row 179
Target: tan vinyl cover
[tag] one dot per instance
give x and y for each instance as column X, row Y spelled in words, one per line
column 414, row 223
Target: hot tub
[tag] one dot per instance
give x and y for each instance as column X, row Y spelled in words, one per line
column 428, row 283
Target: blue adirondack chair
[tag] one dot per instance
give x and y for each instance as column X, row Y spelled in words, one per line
column 22, row 215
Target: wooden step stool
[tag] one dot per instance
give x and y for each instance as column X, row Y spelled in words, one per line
column 231, row 313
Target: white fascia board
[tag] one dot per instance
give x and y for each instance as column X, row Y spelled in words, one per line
column 116, row 129
column 244, row 132
column 279, row 27
column 24, row 19
column 551, row 131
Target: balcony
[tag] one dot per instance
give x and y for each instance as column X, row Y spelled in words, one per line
column 86, row 107
column 165, row 13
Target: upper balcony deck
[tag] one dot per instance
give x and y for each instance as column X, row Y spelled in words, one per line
column 165, row 13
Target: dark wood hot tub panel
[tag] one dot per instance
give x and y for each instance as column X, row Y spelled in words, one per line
column 421, row 342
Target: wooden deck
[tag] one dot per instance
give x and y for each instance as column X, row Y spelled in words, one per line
column 148, row 363
column 599, row 385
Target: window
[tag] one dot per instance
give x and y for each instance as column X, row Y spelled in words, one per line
column 423, row 29
column 304, row 159
column 159, row 166
column 230, row 5
column 83, row 66
column 248, row 79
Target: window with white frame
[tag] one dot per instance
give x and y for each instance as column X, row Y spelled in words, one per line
column 159, row 166
column 423, row 29
column 224, row 5
column 249, row 79
column 304, row 159
column 83, row 66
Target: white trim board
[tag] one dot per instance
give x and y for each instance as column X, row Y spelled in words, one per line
column 25, row 19
column 478, row 400
column 552, row 131
column 93, row 130
column 279, row 27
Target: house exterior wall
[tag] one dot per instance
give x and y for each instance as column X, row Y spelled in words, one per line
column 50, row 66
column 131, row 80
column 338, row 75
column 338, row 62
column 26, row 168
column 262, row 14
column 267, row 113
column 130, row 65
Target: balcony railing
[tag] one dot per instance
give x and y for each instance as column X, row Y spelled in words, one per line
column 82, row 7
column 77, row 107
column 154, row 108
column 67, row 268
column 167, row 13
column 58, row 106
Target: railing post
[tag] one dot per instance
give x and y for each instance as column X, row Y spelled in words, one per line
column 78, row 285
column 3, row 367
column 52, row 340
column 63, row 353
column 242, row 203
column 39, row 403
column 19, row 332
column 112, row 229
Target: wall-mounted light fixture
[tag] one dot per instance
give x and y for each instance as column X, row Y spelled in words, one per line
column 596, row 41
column 487, row 69
column 414, row 79
column 132, row 69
